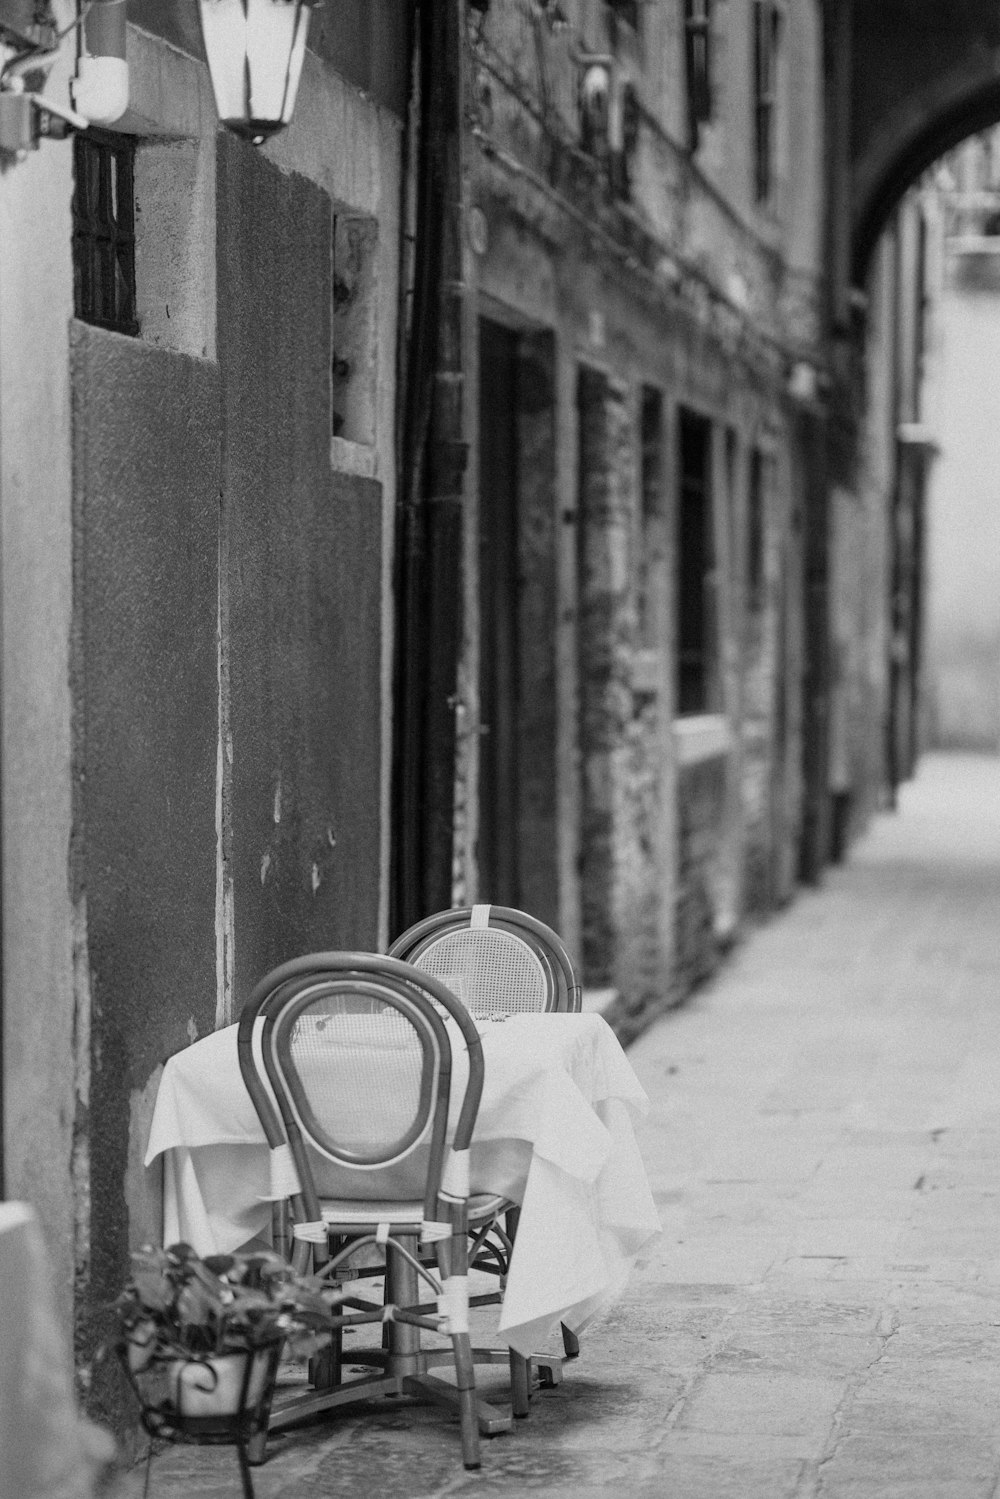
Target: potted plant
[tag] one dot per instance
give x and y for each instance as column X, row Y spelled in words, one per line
column 200, row 1339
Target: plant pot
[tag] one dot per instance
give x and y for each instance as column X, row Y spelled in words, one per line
column 213, row 1387
column 140, row 1346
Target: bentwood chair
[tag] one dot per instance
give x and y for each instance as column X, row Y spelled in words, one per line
column 358, row 1056
column 498, row 961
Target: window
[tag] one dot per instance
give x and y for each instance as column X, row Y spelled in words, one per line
column 698, row 66
column 696, row 632
column 766, row 35
column 104, row 231
column 756, row 530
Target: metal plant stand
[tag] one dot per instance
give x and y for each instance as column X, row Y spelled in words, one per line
column 165, row 1417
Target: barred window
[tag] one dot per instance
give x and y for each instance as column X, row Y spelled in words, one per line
column 698, row 66
column 104, row 230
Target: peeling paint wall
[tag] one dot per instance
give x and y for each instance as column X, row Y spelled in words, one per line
column 303, row 579
column 40, row 1040
column 196, row 614
column 146, row 485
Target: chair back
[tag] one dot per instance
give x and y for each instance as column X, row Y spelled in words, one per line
column 358, row 1055
column 497, row 960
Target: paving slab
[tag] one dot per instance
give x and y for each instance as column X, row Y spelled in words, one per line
column 821, row 1316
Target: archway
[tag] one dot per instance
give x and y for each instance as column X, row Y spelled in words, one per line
column 923, row 76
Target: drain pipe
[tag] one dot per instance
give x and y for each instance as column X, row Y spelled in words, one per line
column 100, row 88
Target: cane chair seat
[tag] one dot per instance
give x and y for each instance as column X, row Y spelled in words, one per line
column 350, row 1217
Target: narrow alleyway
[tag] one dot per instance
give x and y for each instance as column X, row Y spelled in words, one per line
column 821, row 1318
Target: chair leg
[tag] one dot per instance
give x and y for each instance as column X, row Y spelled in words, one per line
column 520, row 1384
column 571, row 1343
column 465, row 1380
column 325, row 1366
column 257, row 1448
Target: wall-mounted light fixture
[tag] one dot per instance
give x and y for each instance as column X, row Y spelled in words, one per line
column 29, row 45
column 597, row 100
column 255, row 50
column 100, row 88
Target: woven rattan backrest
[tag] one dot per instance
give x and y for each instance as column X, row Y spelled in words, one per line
column 349, row 995
column 361, row 1064
column 493, row 972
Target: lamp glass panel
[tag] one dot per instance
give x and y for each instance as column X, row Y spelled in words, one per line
column 224, row 29
column 271, row 28
column 298, row 57
column 255, row 51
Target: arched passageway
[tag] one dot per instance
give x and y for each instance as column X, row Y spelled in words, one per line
column 921, row 76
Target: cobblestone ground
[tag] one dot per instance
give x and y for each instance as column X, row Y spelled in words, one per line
column 821, row 1318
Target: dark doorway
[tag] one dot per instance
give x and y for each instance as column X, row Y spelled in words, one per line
column 499, row 653
column 517, row 853
column 697, row 687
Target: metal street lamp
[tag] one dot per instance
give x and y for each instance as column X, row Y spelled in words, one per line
column 255, row 50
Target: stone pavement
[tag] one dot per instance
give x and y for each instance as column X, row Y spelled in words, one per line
column 821, row 1318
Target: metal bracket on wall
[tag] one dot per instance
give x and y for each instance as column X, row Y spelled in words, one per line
column 29, row 45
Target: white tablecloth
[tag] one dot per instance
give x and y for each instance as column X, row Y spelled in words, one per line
column 553, row 1132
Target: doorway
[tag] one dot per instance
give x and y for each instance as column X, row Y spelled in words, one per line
column 500, row 694
column 517, row 849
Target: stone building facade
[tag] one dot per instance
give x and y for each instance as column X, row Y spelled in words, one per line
column 582, row 611
column 645, row 188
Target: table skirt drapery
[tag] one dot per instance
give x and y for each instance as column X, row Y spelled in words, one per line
column 554, row 1133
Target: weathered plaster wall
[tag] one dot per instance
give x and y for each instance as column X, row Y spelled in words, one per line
column 302, row 576
column 146, row 483
column 606, row 629
column 43, row 1067
column 963, row 630
column 116, row 951
column 701, row 831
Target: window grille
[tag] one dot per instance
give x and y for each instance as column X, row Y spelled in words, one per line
column 766, row 30
column 104, row 231
column 696, row 602
column 698, row 66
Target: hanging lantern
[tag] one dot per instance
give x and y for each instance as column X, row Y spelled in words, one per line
column 255, row 50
